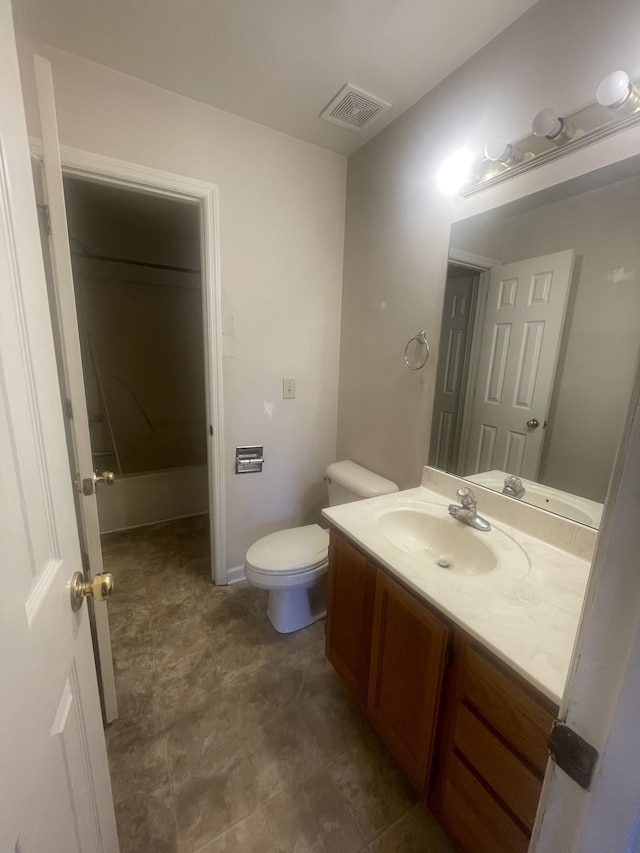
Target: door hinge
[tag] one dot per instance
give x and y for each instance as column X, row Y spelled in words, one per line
column 573, row 754
column 68, row 409
column 45, row 216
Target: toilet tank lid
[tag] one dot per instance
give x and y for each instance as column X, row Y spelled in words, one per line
column 359, row 480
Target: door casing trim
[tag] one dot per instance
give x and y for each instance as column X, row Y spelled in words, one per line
column 107, row 170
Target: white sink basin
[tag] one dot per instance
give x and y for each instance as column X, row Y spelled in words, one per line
column 429, row 534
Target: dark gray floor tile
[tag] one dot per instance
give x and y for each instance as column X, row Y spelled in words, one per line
column 250, row 597
column 375, row 790
column 137, row 761
column 128, row 575
column 170, row 605
column 198, row 572
column 175, row 641
column 250, row 835
column 146, row 822
column 227, row 726
column 138, row 695
column 215, row 797
column 311, row 818
column 336, row 722
column 243, row 641
column 198, row 733
column 132, row 655
column 128, row 617
column 187, row 673
column 416, row 832
column 281, row 753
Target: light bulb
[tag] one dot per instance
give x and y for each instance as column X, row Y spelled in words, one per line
column 455, row 171
column 499, row 150
column 549, row 124
column 617, row 92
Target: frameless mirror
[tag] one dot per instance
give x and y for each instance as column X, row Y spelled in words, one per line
column 539, row 342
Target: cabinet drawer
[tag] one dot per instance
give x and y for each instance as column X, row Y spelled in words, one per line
column 523, row 721
column 511, row 779
column 479, row 823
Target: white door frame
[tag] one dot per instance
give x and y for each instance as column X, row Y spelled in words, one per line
column 107, row 170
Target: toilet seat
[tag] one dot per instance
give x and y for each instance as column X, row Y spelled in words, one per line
column 292, row 564
column 289, row 552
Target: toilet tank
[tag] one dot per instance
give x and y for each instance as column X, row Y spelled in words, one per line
column 350, row 482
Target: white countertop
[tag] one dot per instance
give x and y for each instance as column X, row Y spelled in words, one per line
column 528, row 619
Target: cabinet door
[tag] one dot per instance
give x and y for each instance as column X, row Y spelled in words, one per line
column 349, row 614
column 495, row 757
column 407, row 663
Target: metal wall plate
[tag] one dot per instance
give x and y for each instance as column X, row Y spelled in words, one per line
column 249, row 459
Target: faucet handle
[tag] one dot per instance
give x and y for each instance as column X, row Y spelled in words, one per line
column 512, row 482
column 467, row 498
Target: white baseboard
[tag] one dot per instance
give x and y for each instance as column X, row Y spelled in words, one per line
column 236, row 574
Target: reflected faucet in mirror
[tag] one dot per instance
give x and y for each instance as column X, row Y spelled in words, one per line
column 513, row 487
column 540, row 328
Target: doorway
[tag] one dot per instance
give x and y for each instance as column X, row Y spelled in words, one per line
column 458, row 318
column 153, row 185
column 138, row 295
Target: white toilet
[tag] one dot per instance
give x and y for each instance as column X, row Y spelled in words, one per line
column 292, row 564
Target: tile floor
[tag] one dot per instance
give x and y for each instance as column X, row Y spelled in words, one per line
column 233, row 738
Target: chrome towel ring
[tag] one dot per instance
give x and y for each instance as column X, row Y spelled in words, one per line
column 420, row 338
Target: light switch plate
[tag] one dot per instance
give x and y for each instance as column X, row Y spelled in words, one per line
column 288, row 389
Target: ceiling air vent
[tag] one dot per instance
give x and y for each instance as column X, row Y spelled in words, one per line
column 353, row 108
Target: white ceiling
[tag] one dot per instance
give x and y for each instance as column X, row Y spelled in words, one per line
column 277, row 62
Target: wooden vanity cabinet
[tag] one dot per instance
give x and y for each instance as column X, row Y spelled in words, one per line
column 470, row 734
column 492, row 755
column 350, row 597
column 408, row 651
column 389, row 650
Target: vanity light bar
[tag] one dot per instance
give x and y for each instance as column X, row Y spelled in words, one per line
column 616, row 108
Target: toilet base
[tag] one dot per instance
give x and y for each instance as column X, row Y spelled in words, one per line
column 292, row 609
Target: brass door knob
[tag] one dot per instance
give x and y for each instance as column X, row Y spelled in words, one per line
column 99, row 588
column 533, row 423
column 89, row 483
column 107, row 477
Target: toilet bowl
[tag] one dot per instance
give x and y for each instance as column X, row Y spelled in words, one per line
column 292, row 563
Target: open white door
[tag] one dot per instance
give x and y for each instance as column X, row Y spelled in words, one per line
column 521, row 336
column 69, row 347
column 56, row 792
column 602, row 696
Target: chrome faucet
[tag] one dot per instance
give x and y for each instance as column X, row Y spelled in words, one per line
column 466, row 510
column 513, row 487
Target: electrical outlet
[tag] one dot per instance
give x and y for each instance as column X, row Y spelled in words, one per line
column 288, row 389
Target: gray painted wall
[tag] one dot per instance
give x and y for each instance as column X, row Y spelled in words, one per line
column 398, row 222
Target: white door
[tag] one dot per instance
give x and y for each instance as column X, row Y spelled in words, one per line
column 56, row 793
column 602, row 695
column 73, row 381
column 521, row 336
